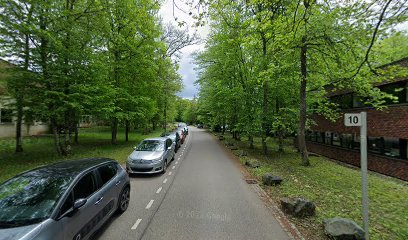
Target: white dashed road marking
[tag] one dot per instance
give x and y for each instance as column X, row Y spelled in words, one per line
column 159, row 190
column 149, row 205
column 170, row 173
column 165, row 180
column 173, row 167
column 136, row 224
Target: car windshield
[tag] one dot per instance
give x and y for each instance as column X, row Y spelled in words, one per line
column 31, row 197
column 151, row 146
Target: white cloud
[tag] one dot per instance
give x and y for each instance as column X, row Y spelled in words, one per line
column 186, row 62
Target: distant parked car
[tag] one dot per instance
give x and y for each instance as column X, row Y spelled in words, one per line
column 152, row 155
column 175, row 137
column 185, row 128
column 66, row 200
column 199, row 125
column 180, row 131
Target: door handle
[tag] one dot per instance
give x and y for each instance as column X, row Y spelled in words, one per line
column 98, row 201
column 117, row 183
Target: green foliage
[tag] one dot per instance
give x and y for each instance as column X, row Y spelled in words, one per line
column 106, row 59
column 252, row 71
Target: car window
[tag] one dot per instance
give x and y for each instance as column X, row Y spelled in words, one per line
column 85, row 187
column 107, row 172
column 150, row 145
column 31, row 197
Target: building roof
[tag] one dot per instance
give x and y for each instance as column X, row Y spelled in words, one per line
column 332, row 91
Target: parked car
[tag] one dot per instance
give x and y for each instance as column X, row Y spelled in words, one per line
column 66, row 200
column 175, row 137
column 152, row 155
column 199, row 125
column 185, row 128
column 180, row 131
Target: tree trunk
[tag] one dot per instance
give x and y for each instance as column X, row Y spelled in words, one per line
column 19, row 135
column 265, row 98
column 56, row 137
column 114, row 130
column 66, row 147
column 165, row 116
column 76, row 133
column 302, row 107
column 280, row 140
column 251, row 141
column 127, row 131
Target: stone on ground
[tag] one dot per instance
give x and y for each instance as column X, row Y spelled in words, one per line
column 343, row 229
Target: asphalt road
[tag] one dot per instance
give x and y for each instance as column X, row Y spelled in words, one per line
column 201, row 196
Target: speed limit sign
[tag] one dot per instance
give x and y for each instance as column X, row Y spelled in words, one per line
column 352, row 119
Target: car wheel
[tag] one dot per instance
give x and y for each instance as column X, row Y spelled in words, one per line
column 172, row 159
column 124, row 198
column 164, row 166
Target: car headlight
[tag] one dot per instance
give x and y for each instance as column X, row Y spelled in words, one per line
column 157, row 160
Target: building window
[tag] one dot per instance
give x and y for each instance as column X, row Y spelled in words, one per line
column 328, row 138
column 319, row 137
column 6, row 115
column 398, row 89
column 344, row 101
column 375, row 145
column 392, row 147
column 336, row 139
column 346, row 140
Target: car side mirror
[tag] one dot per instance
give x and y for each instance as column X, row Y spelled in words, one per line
column 77, row 204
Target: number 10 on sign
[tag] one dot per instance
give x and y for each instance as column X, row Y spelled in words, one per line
column 352, row 119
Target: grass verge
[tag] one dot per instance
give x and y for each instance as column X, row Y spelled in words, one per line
column 93, row 142
column 335, row 189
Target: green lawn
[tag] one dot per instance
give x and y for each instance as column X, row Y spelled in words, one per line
column 336, row 191
column 93, row 142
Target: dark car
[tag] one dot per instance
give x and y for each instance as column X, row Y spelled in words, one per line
column 199, row 125
column 175, row 137
column 66, row 200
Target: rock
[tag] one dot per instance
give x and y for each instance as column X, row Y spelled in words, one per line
column 298, row 207
column 221, row 137
column 343, row 229
column 288, row 205
column 252, row 163
column 270, row 180
column 243, row 153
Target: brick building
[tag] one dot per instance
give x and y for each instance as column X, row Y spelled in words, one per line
column 387, row 131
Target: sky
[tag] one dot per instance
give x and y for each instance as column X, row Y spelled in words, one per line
column 187, row 66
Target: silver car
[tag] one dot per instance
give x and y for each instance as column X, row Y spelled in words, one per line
column 152, row 155
column 63, row 201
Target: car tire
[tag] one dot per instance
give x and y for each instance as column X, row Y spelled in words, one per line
column 164, row 167
column 172, row 159
column 123, row 200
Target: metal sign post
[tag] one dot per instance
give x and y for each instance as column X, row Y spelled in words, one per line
column 360, row 119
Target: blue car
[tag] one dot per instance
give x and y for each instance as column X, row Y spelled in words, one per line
column 66, row 200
